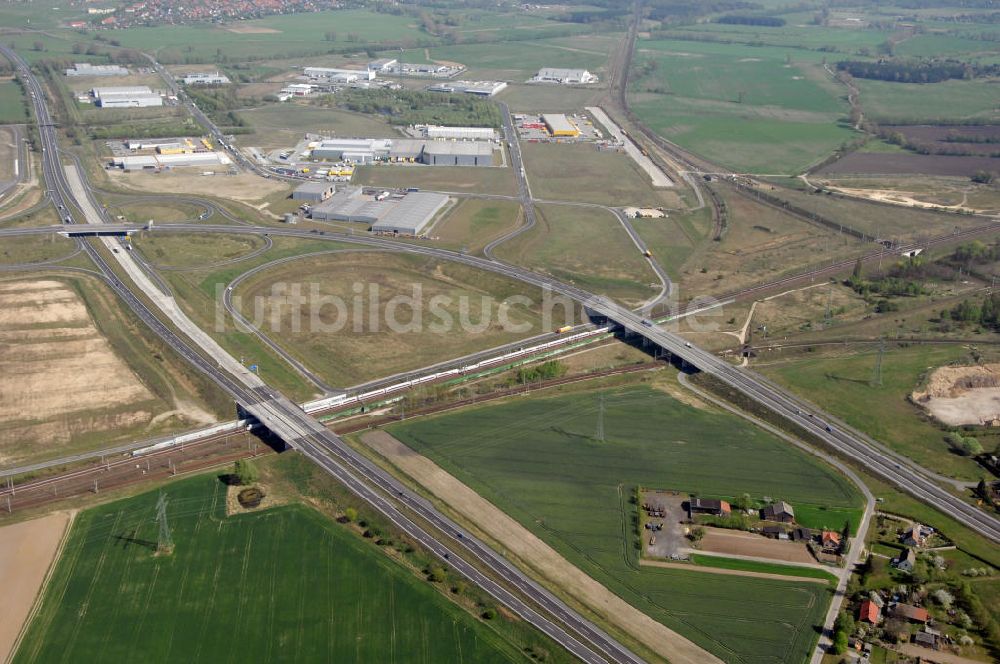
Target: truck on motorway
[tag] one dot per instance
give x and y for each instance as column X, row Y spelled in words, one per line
column 564, row 329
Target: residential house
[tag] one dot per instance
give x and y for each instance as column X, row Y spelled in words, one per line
column 915, row 535
column 906, row 561
column 869, row 612
column 830, row 541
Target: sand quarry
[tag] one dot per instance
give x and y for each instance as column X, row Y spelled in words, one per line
column 962, row 395
column 57, row 372
column 27, row 551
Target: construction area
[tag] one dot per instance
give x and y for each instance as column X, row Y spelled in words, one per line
column 393, row 213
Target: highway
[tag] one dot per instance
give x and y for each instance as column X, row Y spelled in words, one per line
column 849, row 442
column 299, row 430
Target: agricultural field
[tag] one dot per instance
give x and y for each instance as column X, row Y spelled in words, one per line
column 282, row 582
column 585, row 246
column 58, row 334
column 282, row 126
column 908, row 163
column 754, row 109
column 538, row 460
column 914, row 103
column 474, row 223
column 840, row 382
column 414, row 312
column 517, row 62
column 12, row 103
column 579, row 172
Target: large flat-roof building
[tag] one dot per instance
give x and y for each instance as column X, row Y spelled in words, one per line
column 412, row 214
column 480, row 88
column 140, row 162
column 406, row 214
column 314, row 192
column 382, row 65
column 559, row 125
column 202, row 78
column 357, row 150
column 126, row 96
column 334, row 75
column 563, row 76
column 87, row 69
column 457, row 153
column 465, row 133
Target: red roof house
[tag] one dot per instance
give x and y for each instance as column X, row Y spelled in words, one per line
column 869, row 612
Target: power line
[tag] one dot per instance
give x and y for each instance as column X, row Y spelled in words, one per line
column 599, row 435
column 877, row 372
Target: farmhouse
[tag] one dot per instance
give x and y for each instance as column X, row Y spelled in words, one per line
column 906, row 560
column 830, row 540
column 915, row 535
column 708, row 506
column 869, row 612
column 779, row 511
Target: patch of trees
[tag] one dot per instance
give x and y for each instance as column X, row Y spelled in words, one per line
column 544, row 371
column 678, row 11
column 743, row 19
column 953, row 149
column 986, row 313
column 902, row 280
column 900, row 71
column 410, row 107
column 964, row 445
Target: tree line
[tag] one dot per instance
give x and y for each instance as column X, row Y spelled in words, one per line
column 742, row 19
column 411, row 107
column 915, row 71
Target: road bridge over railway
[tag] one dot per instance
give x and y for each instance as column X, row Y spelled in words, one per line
column 103, row 230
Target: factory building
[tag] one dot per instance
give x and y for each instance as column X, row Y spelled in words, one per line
column 559, row 125
column 411, row 215
column 153, row 162
column 383, row 65
column 563, row 76
column 357, row 150
column 315, row 192
column 405, row 214
column 457, row 153
column 129, row 96
column 332, row 75
column 87, row 69
column 464, row 133
column 480, row 88
column 217, row 78
column 406, row 150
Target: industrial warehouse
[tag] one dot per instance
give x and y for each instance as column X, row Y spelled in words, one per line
column 332, row 75
column 162, row 153
column 480, row 88
column 431, row 151
column 202, row 78
column 398, row 214
column 126, row 96
column 87, row 69
column 563, row 76
column 559, row 125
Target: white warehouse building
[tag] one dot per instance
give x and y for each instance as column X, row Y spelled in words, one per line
column 339, row 75
column 87, row 69
column 563, row 76
column 126, row 96
column 358, row 150
column 470, row 133
column 203, row 78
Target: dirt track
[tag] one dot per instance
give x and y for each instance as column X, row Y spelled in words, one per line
column 27, row 550
column 538, row 555
column 687, row 567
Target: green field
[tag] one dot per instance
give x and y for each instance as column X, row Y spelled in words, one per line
column 414, row 311
column 473, row 223
column 585, row 246
column 841, row 385
column 12, row 106
column 890, row 102
column 281, row 584
column 516, row 62
column 578, row 172
column 766, row 568
column 756, row 109
column 537, row 459
column 283, row 125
